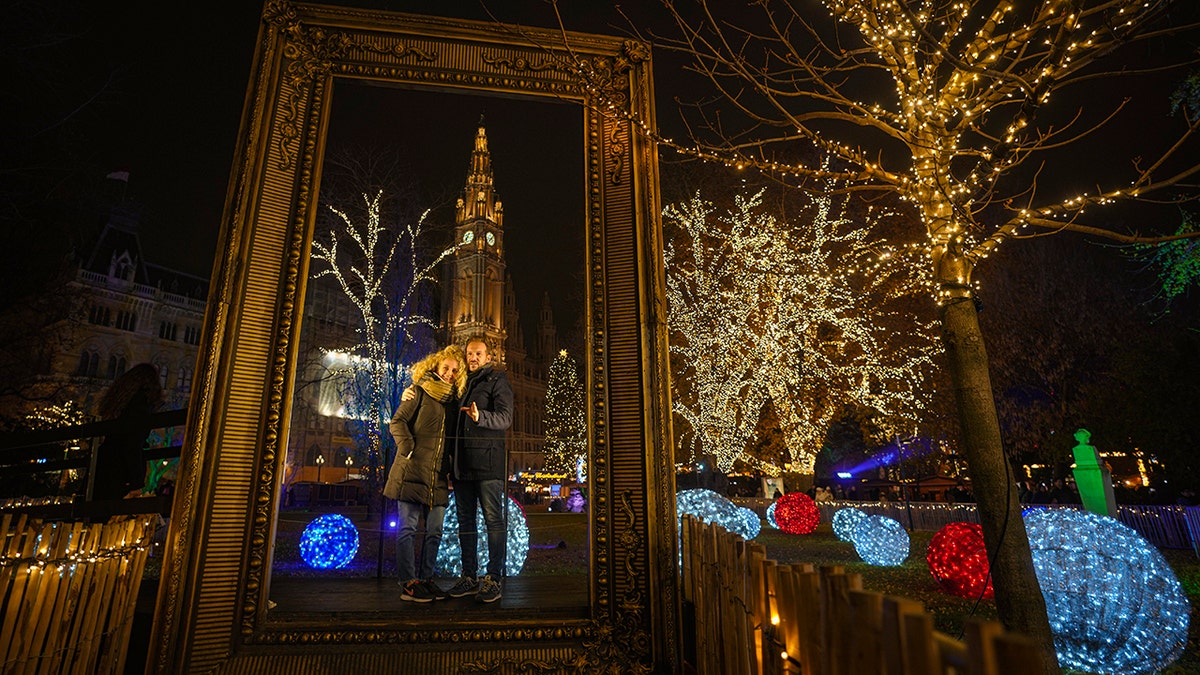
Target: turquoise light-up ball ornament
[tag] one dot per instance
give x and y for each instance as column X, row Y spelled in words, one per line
column 329, row 542
column 449, row 558
column 751, row 522
column 710, row 507
column 844, row 522
column 771, row 515
column 1115, row 605
column 881, row 541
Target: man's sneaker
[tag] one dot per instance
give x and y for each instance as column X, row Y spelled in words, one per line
column 465, row 586
column 415, row 591
column 434, row 590
column 489, row 589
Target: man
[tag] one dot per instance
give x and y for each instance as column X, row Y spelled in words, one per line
column 478, row 471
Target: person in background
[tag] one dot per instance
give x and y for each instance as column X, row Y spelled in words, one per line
column 419, row 426
column 128, row 402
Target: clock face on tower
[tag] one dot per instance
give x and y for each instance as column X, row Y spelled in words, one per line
column 491, row 239
column 468, row 236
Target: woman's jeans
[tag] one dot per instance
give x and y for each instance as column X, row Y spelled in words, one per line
column 410, row 515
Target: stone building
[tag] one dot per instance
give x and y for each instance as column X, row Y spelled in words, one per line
column 119, row 310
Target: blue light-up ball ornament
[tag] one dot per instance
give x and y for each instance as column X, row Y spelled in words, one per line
column 844, row 522
column 771, row 515
column 881, row 541
column 1115, row 605
column 751, row 522
column 711, row 507
column 329, row 542
column 449, row 558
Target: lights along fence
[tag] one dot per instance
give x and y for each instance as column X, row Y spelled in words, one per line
column 747, row 615
column 69, row 590
column 1164, row 526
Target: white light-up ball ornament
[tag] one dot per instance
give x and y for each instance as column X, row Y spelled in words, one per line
column 1115, row 605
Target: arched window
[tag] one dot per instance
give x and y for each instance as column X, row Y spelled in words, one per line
column 184, row 380
column 116, row 366
column 89, row 363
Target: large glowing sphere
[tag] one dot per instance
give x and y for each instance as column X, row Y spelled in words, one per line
column 796, row 513
column 449, row 559
column 1115, row 605
column 959, row 561
column 844, row 522
column 751, row 522
column 328, row 542
column 771, row 515
column 881, row 541
column 710, row 507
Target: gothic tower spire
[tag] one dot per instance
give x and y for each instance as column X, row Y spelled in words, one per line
column 476, row 303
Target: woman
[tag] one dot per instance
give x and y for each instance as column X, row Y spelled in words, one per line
column 419, row 427
column 120, row 466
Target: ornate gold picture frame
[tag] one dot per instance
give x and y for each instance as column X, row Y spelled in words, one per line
column 213, row 606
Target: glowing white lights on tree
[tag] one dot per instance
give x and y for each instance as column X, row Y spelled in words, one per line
column 566, row 417
column 1115, row 604
column 366, row 259
column 449, row 558
column 757, row 315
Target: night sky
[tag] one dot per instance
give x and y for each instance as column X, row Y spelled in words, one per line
column 159, row 93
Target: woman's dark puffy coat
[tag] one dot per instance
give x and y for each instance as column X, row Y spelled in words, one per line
column 419, row 427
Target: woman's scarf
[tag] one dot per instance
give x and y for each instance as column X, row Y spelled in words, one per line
column 435, row 387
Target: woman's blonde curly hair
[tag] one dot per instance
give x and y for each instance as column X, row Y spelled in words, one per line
column 430, row 363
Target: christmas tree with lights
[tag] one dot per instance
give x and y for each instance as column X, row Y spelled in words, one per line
column 566, row 417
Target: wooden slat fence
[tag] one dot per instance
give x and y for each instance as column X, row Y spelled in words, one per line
column 753, row 616
column 68, row 591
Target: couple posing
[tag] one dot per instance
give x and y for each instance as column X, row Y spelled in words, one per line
column 451, row 425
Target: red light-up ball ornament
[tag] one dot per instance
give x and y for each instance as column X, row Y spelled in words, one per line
column 959, row 561
column 796, row 513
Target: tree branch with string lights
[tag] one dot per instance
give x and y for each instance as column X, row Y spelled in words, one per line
column 964, row 109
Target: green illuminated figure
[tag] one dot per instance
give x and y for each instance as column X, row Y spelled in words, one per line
column 1093, row 478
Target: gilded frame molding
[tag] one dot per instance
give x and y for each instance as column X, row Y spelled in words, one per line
column 212, row 604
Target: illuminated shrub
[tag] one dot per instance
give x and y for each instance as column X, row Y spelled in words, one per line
column 1115, row 605
column 329, row 542
column 796, row 513
column 844, row 522
column 959, row 561
column 881, row 541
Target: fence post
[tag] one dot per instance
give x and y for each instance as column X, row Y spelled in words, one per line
column 895, row 647
column 866, row 610
column 809, row 636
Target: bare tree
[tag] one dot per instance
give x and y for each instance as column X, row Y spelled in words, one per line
column 954, row 106
column 382, row 272
column 762, row 308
